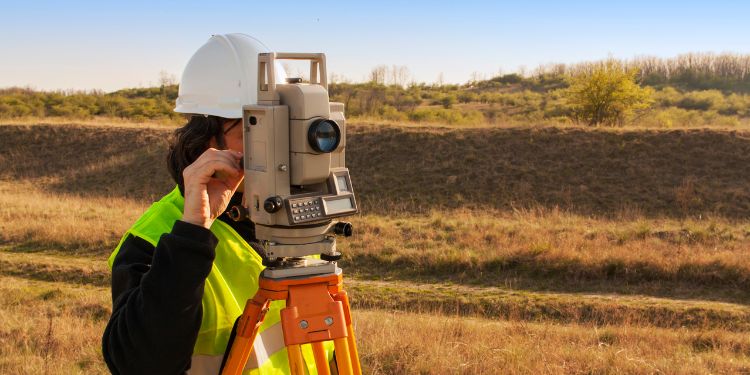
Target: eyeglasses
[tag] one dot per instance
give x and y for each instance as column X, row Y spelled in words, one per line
column 235, row 123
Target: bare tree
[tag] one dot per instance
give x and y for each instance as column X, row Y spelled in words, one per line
column 295, row 71
column 401, row 75
column 522, row 70
column 378, row 73
column 477, row 76
column 338, row 78
column 393, row 75
column 167, row 79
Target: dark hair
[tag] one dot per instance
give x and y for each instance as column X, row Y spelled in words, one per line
column 190, row 141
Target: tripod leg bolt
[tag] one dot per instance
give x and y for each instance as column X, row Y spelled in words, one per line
column 303, row 324
column 328, row 320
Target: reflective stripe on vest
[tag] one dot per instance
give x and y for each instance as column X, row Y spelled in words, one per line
column 266, row 344
column 232, row 281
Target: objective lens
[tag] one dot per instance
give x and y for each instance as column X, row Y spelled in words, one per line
column 324, row 136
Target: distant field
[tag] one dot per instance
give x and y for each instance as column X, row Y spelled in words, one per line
column 507, row 250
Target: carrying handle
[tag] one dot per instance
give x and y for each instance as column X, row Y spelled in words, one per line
column 267, row 68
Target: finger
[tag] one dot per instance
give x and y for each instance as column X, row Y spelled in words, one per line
column 217, row 167
column 235, row 182
column 201, row 167
column 214, row 154
column 233, row 157
column 236, row 163
column 227, row 178
column 224, row 155
column 197, row 168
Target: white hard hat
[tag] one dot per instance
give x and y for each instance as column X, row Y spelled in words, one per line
column 222, row 76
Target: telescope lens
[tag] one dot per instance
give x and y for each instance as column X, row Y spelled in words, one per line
column 324, row 136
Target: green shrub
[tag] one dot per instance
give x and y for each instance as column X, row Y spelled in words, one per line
column 606, row 94
column 702, row 100
column 448, row 101
column 467, row 97
column 678, row 117
column 508, row 79
column 667, row 97
column 736, row 105
column 447, row 116
column 388, row 112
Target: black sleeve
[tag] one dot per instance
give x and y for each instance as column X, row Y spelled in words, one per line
column 156, row 299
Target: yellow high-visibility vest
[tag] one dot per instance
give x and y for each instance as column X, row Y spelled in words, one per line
column 232, row 281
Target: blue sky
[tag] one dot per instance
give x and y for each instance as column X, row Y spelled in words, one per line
column 111, row 45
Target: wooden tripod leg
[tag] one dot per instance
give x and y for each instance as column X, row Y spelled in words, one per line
column 354, row 354
column 247, row 330
column 321, row 360
column 296, row 362
column 343, row 358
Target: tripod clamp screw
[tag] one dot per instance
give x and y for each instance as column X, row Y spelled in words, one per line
column 331, row 257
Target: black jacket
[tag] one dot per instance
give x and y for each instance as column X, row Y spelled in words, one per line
column 156, row 298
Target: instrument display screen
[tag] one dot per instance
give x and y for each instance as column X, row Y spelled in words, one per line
column 335, row 206
column 341, row 182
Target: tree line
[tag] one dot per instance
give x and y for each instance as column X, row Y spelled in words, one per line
column 690, row 71
column 692, row 90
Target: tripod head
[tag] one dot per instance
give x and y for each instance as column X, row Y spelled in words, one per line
column 296, row 182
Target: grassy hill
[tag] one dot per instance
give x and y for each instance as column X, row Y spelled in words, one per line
column 531, row 250
column 396, row 169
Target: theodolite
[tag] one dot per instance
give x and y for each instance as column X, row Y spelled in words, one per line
column 296, row 187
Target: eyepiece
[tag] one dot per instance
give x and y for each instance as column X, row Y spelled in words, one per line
column 324, row 136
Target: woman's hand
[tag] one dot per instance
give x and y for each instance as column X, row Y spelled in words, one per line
column 210, row 183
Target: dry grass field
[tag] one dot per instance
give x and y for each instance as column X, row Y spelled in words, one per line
column 479, row 251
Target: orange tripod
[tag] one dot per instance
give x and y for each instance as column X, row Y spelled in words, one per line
column 317, row 310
